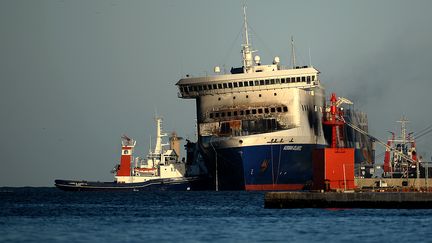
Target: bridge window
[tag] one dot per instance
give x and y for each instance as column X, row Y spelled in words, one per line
column 254, row 111
column 250, row 83
column 230, row 85
column 261, row 82
column 308, row 79
column 260, row 111
column 298, row 79
column 222, row 114
column 256, row 82
column 266, row 110
column 235, row 113
column 283, row 80
column 272, row 81
column 303, row 79
column 285, row 109
column 219, row 86
column 235, row 85
column 313, row 78
column 279, row 109
column 245, row 83
column 240, row 84
column 247, row 112
column 211, row 115
column 272, row 109
column 278, row 81
column 225, row 85
column 267, row 82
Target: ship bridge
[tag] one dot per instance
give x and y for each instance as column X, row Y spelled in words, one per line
column 300, row 77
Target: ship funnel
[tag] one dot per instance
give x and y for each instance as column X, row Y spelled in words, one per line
column 175, row 143
column 128, row 146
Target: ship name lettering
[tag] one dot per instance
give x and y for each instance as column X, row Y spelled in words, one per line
column 293, row 148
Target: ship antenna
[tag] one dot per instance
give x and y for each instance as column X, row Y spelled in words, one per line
column 403, row 121
column 150, row 144
column 310, row 58
column 247, row 53
column 245, row 26
column 293, row 56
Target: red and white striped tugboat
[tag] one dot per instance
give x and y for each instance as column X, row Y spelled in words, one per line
column 162, row 170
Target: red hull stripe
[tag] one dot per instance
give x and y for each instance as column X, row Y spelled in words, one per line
column 271, row 187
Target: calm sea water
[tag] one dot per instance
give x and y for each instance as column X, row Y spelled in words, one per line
column 51, row 215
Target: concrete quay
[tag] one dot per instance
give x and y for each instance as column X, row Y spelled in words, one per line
column 392, row 182
column 348, row 200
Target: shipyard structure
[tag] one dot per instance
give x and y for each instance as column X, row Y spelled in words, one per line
column 259, row 124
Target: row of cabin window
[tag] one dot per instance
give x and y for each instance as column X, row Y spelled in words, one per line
column 249, row 112
column 307, row 108
column 251, row 126
column 240, row 84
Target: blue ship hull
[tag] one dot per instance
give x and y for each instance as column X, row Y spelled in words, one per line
column 264, row 167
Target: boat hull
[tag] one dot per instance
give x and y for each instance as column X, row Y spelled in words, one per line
column 177, row 184
column 264, row 167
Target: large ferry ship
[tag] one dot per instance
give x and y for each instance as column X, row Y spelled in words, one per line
column 258, row 125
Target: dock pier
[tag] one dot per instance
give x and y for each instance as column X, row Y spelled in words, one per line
column 348, row 200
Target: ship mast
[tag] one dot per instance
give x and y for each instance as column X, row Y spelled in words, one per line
column 246, row 51
column 159, row 135
column 403, row 123
column 293, row 56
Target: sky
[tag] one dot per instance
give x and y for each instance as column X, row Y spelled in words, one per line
column 76, row 75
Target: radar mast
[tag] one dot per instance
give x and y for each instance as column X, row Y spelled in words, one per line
column 246, row 51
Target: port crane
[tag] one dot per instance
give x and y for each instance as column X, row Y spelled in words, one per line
column 338, row 102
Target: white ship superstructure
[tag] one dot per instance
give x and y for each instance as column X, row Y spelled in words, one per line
column 161, row 163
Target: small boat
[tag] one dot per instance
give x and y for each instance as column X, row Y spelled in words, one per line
column 162, row 170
